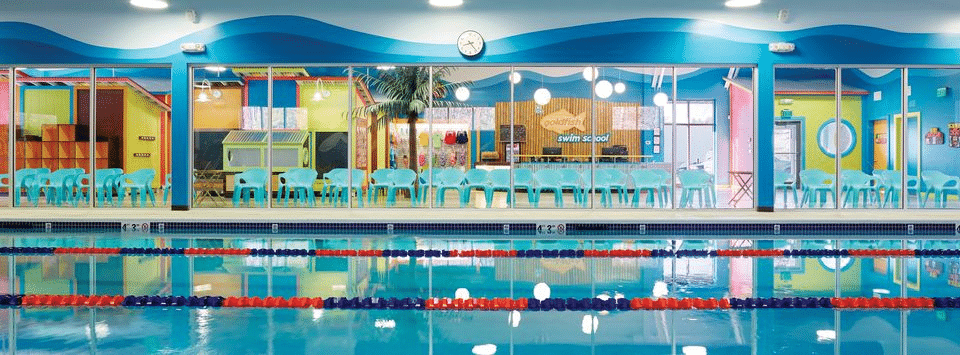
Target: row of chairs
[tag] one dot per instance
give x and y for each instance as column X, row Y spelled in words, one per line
column 72, row 186
column 298, row 185
column 881, row 188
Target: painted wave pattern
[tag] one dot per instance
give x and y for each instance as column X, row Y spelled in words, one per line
column 293, row 39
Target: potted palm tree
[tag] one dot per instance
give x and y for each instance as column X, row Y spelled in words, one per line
column 407, row 92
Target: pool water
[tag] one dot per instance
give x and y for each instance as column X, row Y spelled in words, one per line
column 176, row 330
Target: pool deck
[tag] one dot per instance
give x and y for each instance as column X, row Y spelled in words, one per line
column 398, row 215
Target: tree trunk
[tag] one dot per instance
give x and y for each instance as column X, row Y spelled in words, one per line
column 414, row 159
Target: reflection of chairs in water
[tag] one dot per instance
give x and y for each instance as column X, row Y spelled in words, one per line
column 816, row 184
column 940, row 185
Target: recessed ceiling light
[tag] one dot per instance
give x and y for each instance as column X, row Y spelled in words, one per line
column 150, row 4
column 215, row 68
column 446, row 3
column 741, row 3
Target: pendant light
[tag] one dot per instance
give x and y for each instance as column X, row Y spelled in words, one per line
column 542, row 95
column 320, row 92
column 619, row 87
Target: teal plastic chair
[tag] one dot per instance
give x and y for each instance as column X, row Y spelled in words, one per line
column 327, row 194
column 166, row 188
column 781, row 182
column 450, row 179
column 599, row 182
column 499, row 180
column 342, row 185
column 666, row 189
column 250, row 182
column 571, row 179
column 523, row 179
column 139, row 182
column 379, row 179
column 475, row 179
column 853, row 183
column 297, row 182
column 105, row 186
column 815, row 185
column 650, row 181
column 890, row 182
column 403, row 179
column 426, row 182
column 548, row 180
column 56, row 184
column 940, row 185
column 616, row 180
column 697, row 182
column 22, row 177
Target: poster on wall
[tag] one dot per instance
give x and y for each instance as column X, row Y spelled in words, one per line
column 934, row 268
column 933, row 137
column 954, row 135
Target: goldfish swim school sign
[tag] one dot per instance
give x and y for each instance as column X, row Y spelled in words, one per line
column 585, row 138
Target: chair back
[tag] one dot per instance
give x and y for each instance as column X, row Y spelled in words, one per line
column 615, row 176
column 499, row 178
column 476, row 176
column 694, row 178
column 253, row 177
column 451, row 177
column 646, row 178
column 142, row 177
column 358, row 176
column 522, row 176
column 305, row 177
column 569, row 177
column 404, row 177
column 548, row 178
column 856, row 178
column 382, row 176
column 780, row 178
column 936, row 178
column 664, row 175
column 815, row 177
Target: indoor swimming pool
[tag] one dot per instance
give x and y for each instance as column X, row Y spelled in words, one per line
column 455, row 294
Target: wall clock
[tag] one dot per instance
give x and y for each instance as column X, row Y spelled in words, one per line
column 470, row 43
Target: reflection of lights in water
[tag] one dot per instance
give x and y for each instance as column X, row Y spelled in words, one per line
column 203, row 287
column 100, row 330
column 513, row 318
column 694, row 350
column 203, row 325
column 338, row 287
column 541, row 291
column 585, row 324
column 317, row 314
column 603, row 297
column 385, row 323
column 660, row 289
column 618, row 295
column 485, row 349
column 826, row 335
column 461, row 293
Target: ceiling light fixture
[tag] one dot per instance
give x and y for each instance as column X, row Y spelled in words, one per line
column 515, row 77
column 205, row 92
column 741, row 3
column 150, row 4
column 386, row 67
column 446, row 3
column 660, row 99
column 215, row 68
column 590, row 72
column 462, row 93
column 603, row 89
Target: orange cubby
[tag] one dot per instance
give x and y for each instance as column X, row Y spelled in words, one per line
column 102, row 151
column 66, row 164
column 48, row 133
column 66, row 132
column 20, row 164
column 48, row 150
column 81, row 150
column 102, row 163
column 31, row 150
column 21, row 148
column 82, row 163
column 49, row 164
column 65, row 150
column 4, row 164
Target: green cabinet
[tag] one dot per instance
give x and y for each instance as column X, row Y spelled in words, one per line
column 243, row 150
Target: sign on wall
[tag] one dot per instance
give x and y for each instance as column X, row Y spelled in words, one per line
column 562, row 120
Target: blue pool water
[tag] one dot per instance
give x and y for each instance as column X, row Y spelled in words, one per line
column 172, row 330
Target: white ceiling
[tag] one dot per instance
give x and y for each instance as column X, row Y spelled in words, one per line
column 114, row 23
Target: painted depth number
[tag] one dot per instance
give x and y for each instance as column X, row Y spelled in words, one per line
column 552, row 229
column 143, row 227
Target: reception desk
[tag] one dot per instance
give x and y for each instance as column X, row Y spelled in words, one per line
column 625, row 167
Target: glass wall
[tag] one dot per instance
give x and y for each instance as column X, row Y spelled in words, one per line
column 477, row 137
column 52, row 139
column 132, row 137
column 5, row 147
column 933, row 138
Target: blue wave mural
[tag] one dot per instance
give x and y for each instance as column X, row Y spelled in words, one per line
column 292, row 39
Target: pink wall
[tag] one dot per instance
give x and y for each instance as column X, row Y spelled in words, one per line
column 4, row 102
column 741, row 129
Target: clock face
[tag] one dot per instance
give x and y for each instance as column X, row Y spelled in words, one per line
column 470, row 43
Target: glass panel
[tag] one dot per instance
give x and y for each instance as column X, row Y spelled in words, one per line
column 392, row 134
column 805, row 110
column 230, row 121
column 554, row 131
column 53, row 140
column 309, row 142
column 133, row 123
column 934, row 146
column 870, row 176
column 5, row 141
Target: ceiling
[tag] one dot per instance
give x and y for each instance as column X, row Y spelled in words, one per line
column 117, row 24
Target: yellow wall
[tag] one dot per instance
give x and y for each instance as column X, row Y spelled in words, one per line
column 141, row 118
column 317, row 284
column 330, row 114
column 222, row 113
column 47, row 102
column 818, row 279
column 817, row 109
column 34, row 283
